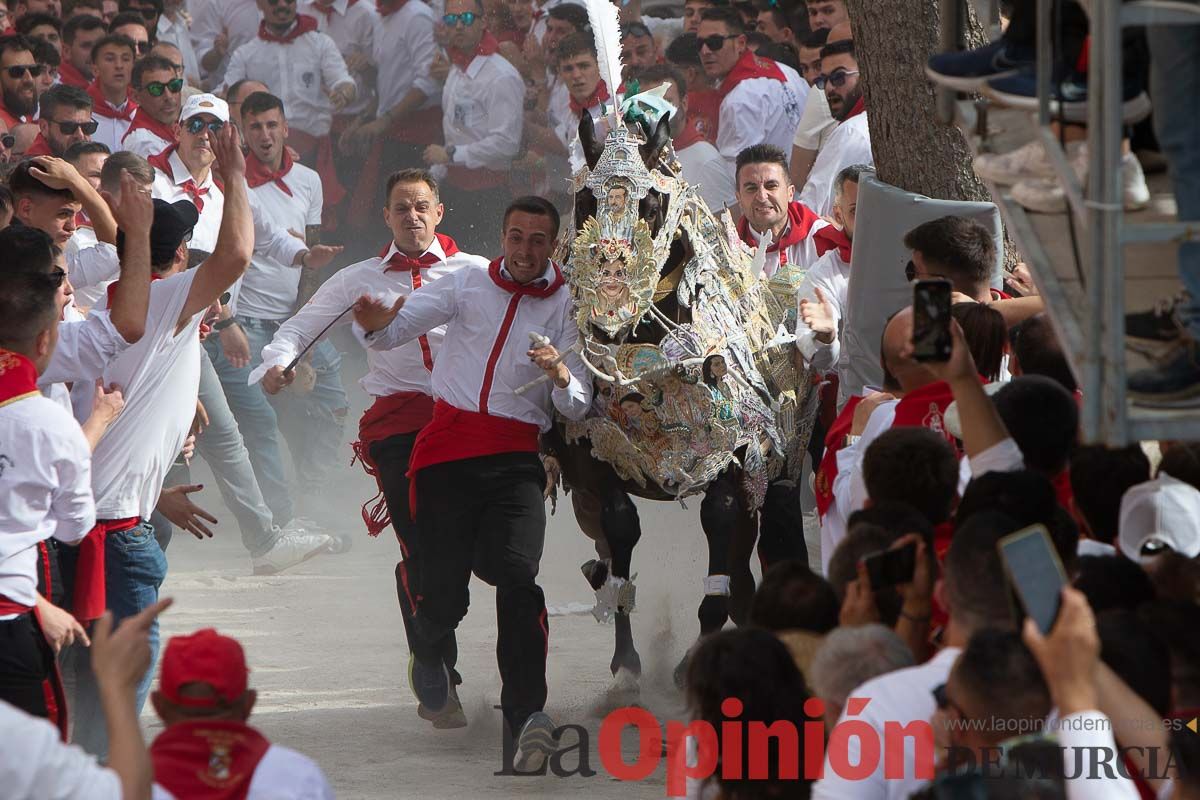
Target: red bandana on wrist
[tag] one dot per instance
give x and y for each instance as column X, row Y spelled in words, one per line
column 259, row 174
column 18, row 377
column 304, row 24
column 486, row 47
column 598, row 95
column 750, row 66
column 102, row 108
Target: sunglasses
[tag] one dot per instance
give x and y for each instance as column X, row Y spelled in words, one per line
column 156, row 88
column 143, row 47
column 195, row 125
column 837, row 78
column 57, row 276
column 69, row 128
column 715, row 42
column 943, row 700
column 148, row 12
column 8, row 140
column 467, row 18
column 17, row 71
column 281, row 2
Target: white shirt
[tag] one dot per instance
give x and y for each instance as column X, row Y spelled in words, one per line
column 816, row 123
column 539, row 23
column 111, row 130
column 352, row 28
column 90, row 267
column 403, row 49
column 849, row 144
column 301, row 73
column 85, row 347
column 177, row 33
column 269, row 287
column 899, row 697
column 758, row 111
column 160, row 375
column 144, row 141
column 703, row 166
column 480, row 317
column 802, row 253
column 1090, row 731
column 402, row 369
column 238, row 19
column 483, row 113
column 36, row 765
column 45, row 490
column 168, row 185
column 282, row 774
column 831, row 275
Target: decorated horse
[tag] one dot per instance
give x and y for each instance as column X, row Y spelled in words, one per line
column 691, row 355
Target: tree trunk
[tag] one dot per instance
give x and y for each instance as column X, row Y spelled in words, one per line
column 913, row 150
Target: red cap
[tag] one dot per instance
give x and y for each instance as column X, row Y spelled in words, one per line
column 204, row 657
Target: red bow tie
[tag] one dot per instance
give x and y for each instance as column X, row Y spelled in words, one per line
column 399, row 261
column 194, row 193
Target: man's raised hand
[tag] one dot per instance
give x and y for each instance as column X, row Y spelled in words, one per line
column 55, row 173
column 373, row 314
column 135, row 212
column 819, row 317
column 227, row 147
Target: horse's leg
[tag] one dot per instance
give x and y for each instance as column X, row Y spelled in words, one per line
column 622, row 530
column 781, row 525
column 741, row 548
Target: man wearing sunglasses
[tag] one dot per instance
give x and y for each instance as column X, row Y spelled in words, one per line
column 759, row 103
column 158, row 92
column 112, row 64
column 18, row 80
column 183, row 171
column 65, row 118
column 80, row 35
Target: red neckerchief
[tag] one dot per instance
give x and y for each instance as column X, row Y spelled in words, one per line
column 259, row 174
column 529, row 289
column 692, row 132
column 747, row 67
column 18, row 377
column 112, row 287
column 704, row 111
column 304, row 24
column 801, row 220
column 926, row 407
column 823, row 479
column 598, row 95
column 143, row 121
column 449, row 247
column 486, row 47
column 40, row 147
column 996, row 293
column 859, row 108
column 328, row 9
column 71, row 76
column 386, row 8
column 189, row 187
column 208, row 760
column 830, row 237
column 102, row 108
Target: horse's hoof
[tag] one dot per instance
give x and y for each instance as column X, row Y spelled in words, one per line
column 595, row 572
column 629, row 662
column 625, row 691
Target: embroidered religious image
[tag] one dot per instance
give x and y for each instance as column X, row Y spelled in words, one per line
column 613, row 279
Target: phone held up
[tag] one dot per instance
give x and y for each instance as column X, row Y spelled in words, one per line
column 931, row 320
column 1035, row 574
column 891, row 567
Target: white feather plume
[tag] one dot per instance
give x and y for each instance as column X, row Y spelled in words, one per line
column 606, row 28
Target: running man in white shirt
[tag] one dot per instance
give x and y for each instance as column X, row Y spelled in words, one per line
column 478, row 483
column 398, row 379
column 159, row 94
column 160, row 376
column 205, row 702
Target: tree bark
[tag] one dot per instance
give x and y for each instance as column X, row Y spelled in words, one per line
column 913, row 150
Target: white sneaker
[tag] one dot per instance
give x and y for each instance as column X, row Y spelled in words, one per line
column 1135, row 194
column 291, row 548
column 1005, row 169
column 1047, row 195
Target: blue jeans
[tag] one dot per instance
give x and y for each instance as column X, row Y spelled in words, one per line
column 134, row 568
column 1175, row 86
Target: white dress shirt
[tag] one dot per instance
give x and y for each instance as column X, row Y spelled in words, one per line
column 176, row 32
column 90, row 267
column 111, row 130
column 301, row 73
column 45, row 490
column 831, row 275
column 816, row 123
column 758, row 111
column 168, row 185
column 849, row 144
column 483, row 113
column 802, row 253
column 487, row 336
column 144, row 141
column 237, row 19
column 269, row 287
column 86, row 345
column 402, row 369
column 896, row 698
column 352, row 28
column 160, row 376
column 36, row 765
column 703, row 166
column 403, row 48
column 1091, row 732
column 282, row 773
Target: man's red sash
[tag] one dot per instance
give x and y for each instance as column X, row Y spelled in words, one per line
column 395, row 414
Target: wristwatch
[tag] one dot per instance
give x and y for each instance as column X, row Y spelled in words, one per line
column 850, row 439
column 450, row 151
column 223, row 324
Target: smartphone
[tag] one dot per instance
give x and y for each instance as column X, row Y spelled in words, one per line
column 931, row 320
column 1034, row 573
column 890, row 567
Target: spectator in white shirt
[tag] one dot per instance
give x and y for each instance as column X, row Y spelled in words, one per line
column 850, row 141
column 482, row 114
column 758, row 102
column 183, row 171
column 771, row 220
column 584, row 91
column 172, row 29
column 112, row 64
column 80, row 35
column 816, row 123
column 701, row 163
column 219, row 28
column 159, row 95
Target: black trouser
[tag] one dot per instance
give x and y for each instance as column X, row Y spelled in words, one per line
column 486, row 515
column 27, row 668
column 391, row 463
column 781, row 527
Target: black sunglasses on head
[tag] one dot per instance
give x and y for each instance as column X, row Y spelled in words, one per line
column 69, row 128
column 715, row 42
column 17, row 71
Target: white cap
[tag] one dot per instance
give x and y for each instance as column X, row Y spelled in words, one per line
column 204, row 104
column 1163, row 511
